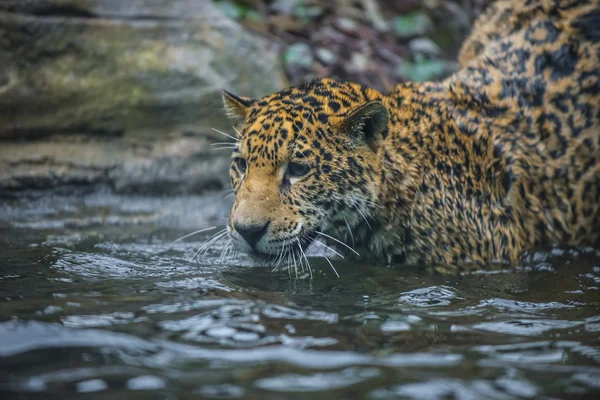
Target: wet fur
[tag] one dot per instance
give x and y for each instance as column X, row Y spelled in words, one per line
column 501, row 158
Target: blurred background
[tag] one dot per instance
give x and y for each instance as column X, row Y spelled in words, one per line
column 375, row 42
column 122, row 95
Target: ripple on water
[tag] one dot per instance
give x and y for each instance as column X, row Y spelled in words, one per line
column 186, row 306
column 526, row 327
column 91, row 265
column 592, row 324
column 591, row 380
column 244, row 323
column 318, row 381
column 145, row 382
column 100, row 320
column 23, row 337
column 20, row 337
column 503, row 305
column 398, row 323
column 165, row 271
column 433, row 296
column 277, row 311
column 538, row 352
column 224, row 391
column 500, row 389
column 195, row 283
column 120, row 261
column 522, row 306
column 91, row 385
column 229, row 324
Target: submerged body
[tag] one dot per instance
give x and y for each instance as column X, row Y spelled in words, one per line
column 501, row 158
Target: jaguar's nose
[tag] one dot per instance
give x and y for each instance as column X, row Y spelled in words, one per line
column 252, row 233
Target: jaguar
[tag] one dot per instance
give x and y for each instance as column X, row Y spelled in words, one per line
column 498, row 160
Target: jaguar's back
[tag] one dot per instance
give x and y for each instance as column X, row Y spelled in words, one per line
column 531, row 79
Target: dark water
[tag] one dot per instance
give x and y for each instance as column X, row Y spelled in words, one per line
column 95, row 303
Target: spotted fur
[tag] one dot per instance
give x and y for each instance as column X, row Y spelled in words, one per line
column 501, row 158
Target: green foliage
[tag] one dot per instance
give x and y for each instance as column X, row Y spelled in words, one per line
column 421, row 69
column 235, row 10
column 307, row 13
column 412, row 24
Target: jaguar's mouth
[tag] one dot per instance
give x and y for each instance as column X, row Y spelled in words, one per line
column 275, row 250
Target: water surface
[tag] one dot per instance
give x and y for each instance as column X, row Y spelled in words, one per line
column 94, row 299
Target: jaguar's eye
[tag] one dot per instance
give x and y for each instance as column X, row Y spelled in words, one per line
column 296, row 170
column 240, row 164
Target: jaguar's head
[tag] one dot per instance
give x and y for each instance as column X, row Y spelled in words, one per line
column 305, row 163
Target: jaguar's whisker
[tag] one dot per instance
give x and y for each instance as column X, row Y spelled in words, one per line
column 193, row 233
column 332, row 267
column 224, row 144
column 215, row 235
column 208, row 245
column 338, row 241
column 362, row 215
column 212, row 240
column 278, row 259
column 349, row 231
column 226, row 248
column 295, row 264
column 288, row 262
column 238, row 132
column 225, row 134
column 323, row 244
column 305, row 258
column 223, row 255
column 194, row 256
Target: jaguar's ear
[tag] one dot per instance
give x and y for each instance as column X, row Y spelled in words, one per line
column 367, row 124
column 236, row 107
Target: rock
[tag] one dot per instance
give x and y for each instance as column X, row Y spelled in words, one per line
column 73, row 215
column 132, row 163
column 122, row 93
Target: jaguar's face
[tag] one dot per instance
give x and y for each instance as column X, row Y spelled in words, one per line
column 305, row 162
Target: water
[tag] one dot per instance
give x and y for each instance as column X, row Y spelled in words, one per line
column 95, row 303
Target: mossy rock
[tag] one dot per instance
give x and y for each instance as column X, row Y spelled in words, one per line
column 114, row 67
column 136, row 76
